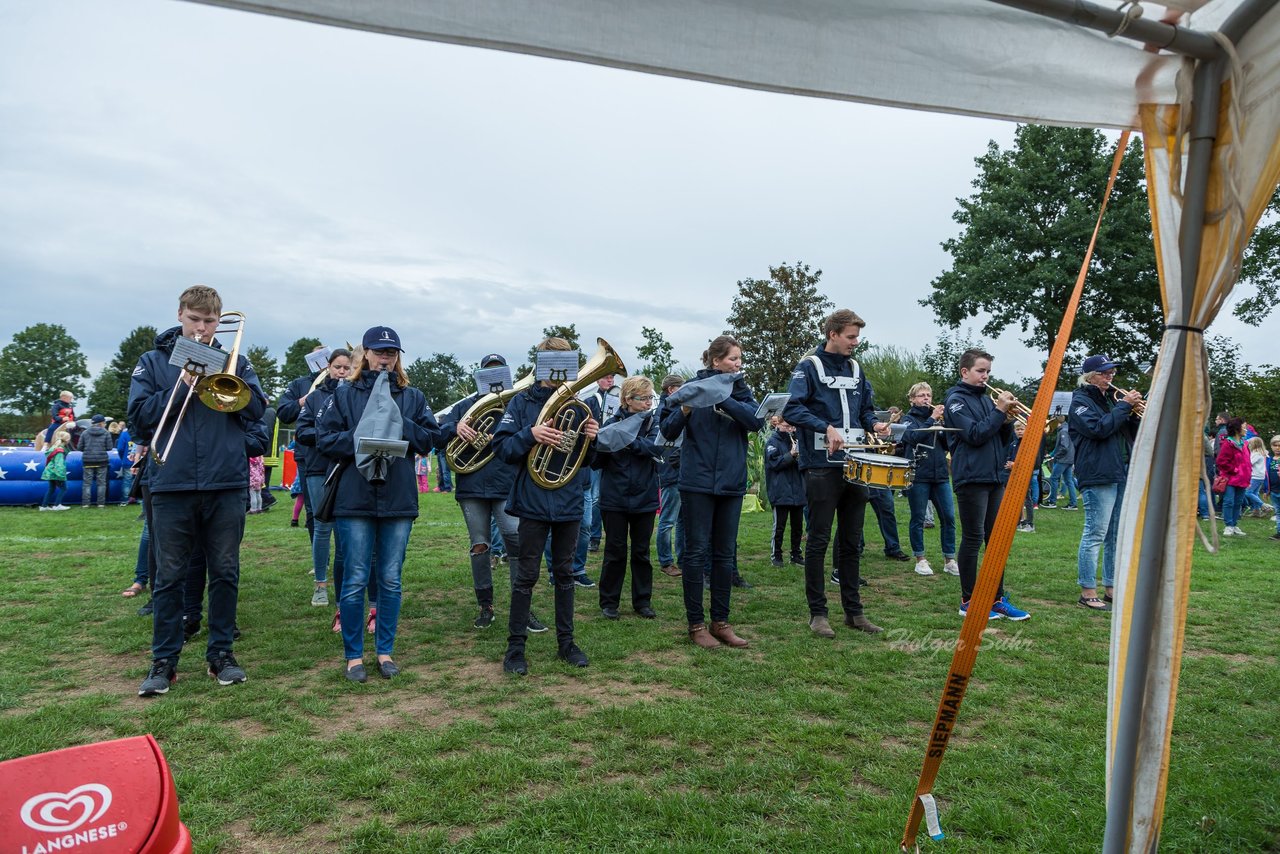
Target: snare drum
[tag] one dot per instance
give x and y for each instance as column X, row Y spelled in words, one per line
column 878, row 471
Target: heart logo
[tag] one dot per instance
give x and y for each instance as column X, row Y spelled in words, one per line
column 59, row 812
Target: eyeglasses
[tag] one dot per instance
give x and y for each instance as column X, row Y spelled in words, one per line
column 642, row 397
column 385, row 353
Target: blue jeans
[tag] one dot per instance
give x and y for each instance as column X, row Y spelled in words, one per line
column 53, row 495
column 668, row 519
column 1066, row 472
column 314, row 485
column 359, row 536
column 1101, row 525
column 1202, row 503
column 444, row 478
column 918, row 496
column 1251, row 497
column 126, row 481
column 186, row 523
column 140, row 568
column 881, row 502
column 1232, row 504
column 593, row 501
column 1275, row 502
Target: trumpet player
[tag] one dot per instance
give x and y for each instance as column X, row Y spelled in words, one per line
column 932, row 481
column 1103, row 431
column 288, row 410
column 198, row 496
column 978, row 454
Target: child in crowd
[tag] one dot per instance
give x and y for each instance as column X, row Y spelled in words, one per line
column 423, row 470
column 1257, row 479
column 257, row 479
column 1273, row 481
column 55, row 471
column 784, row 485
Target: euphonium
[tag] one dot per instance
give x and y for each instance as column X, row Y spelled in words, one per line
column 482, row 416
column 551, row 467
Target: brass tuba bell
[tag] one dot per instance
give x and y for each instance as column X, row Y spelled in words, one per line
column 482, row 416
column 551, row 467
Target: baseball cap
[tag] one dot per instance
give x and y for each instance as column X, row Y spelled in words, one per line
column 493, row 359
column 381, row 338
column 98, row 419
column 1098, row 363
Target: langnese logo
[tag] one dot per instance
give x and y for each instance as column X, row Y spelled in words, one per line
column 62, row 812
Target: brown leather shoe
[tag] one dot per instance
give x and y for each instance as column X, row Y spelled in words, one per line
column 862, row 624
column 821, row 627
column 699, row 635
column 723, row 632
column 672, row 570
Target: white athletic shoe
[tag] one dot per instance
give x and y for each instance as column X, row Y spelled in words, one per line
column 951, row 567
column 923, row 568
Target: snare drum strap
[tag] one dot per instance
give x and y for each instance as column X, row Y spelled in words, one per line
column 843, row 385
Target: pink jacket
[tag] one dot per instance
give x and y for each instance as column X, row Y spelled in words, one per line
column 1233, row 461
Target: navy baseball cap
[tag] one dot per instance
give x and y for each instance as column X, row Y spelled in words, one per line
column 381, row 338
column 493, row 359
column 1098, row 363
column 98, row 419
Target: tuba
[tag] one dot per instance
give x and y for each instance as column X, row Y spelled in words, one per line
column 551, row 467
column 482, row 416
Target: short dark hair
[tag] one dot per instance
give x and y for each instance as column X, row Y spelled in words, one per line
column 1235, row 426
column 671, row 381
column 837, row 320
column 970, row 357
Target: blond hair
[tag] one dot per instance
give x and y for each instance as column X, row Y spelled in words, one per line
column 1255, row 444
column 402, row 379
column 633, row 386
column 917, row 388
column 201, row 298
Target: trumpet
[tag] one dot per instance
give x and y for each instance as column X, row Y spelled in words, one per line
column 1119, row 394
column 1018, row 413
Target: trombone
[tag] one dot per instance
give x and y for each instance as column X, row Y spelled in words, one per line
column 1018, row 413
column 224, row 392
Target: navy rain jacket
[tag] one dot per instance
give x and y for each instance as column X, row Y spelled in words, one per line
column 209, row 447
column 629, row 477
column 813, row 406
column 491, row 482
column 304, row 431
column 289, row 409
column 980, row 449
column 513, row 440
column 335, row 438
column 927, row 449
column 1102, row 432
column 713, row 454
column 784, row 484
column 669, row 465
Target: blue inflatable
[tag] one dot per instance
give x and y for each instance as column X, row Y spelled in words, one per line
column 21, row 467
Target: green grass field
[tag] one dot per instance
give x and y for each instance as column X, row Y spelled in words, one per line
column 797, row 744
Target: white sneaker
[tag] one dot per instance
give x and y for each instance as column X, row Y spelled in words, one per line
column 43, row 508
column 61, row 507
column 923, row 568
column 1238, row 532
column 951, row 568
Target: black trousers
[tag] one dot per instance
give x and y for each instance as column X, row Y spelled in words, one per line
column 832, row 498
column 781, row 514
column 977, row 505
column 533, row 535
column 623, row 533
column 710, row 546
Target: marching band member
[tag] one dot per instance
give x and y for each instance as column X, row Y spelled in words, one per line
column 543, row 513
column 978, row 453
column 1103, row 431
column 670, row 522
column 628, row 502
column 288, row 409
column 830, row 396
column 932, row 479
column 784, row 485
column 713, row 478
column 198, row 497
column 376, row 497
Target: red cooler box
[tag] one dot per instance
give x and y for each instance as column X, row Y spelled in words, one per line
column 113, row 796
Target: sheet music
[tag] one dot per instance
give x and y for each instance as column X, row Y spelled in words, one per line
column 556, row 365
column 201, row 358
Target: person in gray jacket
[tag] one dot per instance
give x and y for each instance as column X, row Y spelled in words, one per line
column 95, row 448
column 1064, row 465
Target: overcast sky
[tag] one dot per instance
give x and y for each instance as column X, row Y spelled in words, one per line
column 327, row 180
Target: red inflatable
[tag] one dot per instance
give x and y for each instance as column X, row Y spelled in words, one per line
column 113, row 796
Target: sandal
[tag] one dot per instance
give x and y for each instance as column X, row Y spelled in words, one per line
column 1093, row 603
column 134, row 590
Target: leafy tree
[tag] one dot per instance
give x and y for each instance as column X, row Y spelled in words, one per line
column 656, row 354
column 39, row 363
column 892, row 372
column 940, row 359
column 440, row 377
column 1242, row 390
column 295, row 358
column 110, row 394
column 777, row 320
column 1261, row 267
column 1025, row 232
column 568, row 333
column 268, row 371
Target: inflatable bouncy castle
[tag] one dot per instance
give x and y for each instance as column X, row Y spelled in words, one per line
column 20, row 482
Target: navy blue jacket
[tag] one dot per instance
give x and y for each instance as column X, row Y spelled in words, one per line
column 257, row 441
column 95, row 446
column 814, row 406
column 491, row 482
column 335, row 438
column 713, row 454
column 929, row 451
column 1102, row 432
column 512, row 442
column 784, row 484
column 209, row 447
column 629, row 477
column 669, row 465
column 289, row 408
column 980, row 449
column 1273, row 474
column 313, row 463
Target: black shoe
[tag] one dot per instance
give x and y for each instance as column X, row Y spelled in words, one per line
column 573, row 656
column 190, row 628
column 513, row 662
column 593, row 546
column 535, row 625
column 798, row 560
column 293, row 523
column 898, row 555
column 355, row 674
column 146, row 609
column 388, row 669
column 647, row 612
column 235, row 632
column 610, row 613
column 225, row 669
column 583, row 580
column 776, row 560
column 162, row 674
column 743, row 583
column 862, row 581
column 484, row 619
column 835, row 577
